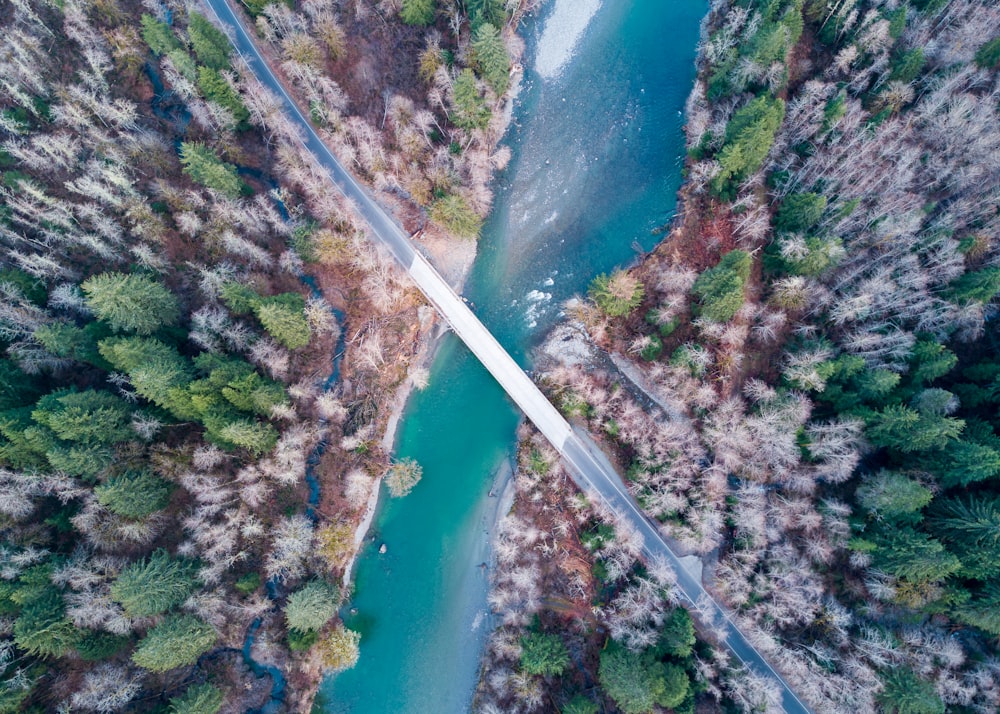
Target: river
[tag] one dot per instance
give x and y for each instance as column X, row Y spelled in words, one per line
column 597, row 154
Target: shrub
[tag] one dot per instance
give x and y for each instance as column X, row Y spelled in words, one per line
column 454, row 215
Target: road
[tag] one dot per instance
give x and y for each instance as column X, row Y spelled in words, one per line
column 589, row 468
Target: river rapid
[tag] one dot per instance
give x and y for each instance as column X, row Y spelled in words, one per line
column 597, row 156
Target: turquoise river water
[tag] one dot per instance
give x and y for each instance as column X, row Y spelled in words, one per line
column 597, row 161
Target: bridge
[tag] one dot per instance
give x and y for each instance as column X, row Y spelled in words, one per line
column 588, row 467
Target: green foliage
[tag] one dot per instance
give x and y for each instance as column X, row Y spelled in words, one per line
column 748, row 140
column 256, row 437
column 976, row 286
column 177, row 641
column 210, row 45
column 893, row 496
column 300, row 641
column 930, row 360
column 470, row 110
column 720, row 289
column 988, row 56
column 198, row 699
column 906, row 430
column 543, row 654
column 964, row 462
column 982, row 610
column 971, row 528
column 638, row 683
column 157, row 372
column 152, row 586
column 248, row 583
column 491, row 58
column 800, row 212
column 79, row 343
column 482, row 11
column 28, row 286
column 207, row 169
column 677, row 638
column 906, row 66
column 454, row 215
column 42, row 628
column 131, row 303
column 913, row 555
column 906, row 693
column 312, row 606
column 216, row 89
column 240, row 298
column 90, row 417
column 96, row 646
column 158, row 36
column 580, row 705
column 17, row 389
column 810, row 256
column 283, row 316
column 616, row 295
column 134, row 494
column 417, row 12
column 653, row 350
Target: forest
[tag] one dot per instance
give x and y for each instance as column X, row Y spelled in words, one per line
column 800, row 383
column 199, row 346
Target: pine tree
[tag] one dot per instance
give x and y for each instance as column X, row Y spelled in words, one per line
column 910, row 554
column 638, row 683
column 906, row 430
column 283, row 316
column 130, row 303
column 90, row 417
column 470, row 110
column 893, row 496
column 618, row 294
column 177, row 641
column 152, row 586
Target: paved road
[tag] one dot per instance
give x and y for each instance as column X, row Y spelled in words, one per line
column 589, row 468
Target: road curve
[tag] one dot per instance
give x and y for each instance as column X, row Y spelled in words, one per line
column 589, row 468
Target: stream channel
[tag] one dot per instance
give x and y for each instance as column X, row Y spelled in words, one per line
column 597, row 155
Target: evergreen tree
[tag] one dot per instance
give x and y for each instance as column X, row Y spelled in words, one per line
column 452, row 213
column 417, row 12
column 906, row 693
column 971, row 528
column 158, row 35
column 543, row 654
column 800, row 212
column 177, row 641
column 256, row 437
column 210, row 45
column 988, row 55
column 157, row 372
column 41, row 628
column 915, row 556
column 893, row 496
column 677, row 638
column 470, row 110
column 340, row 649
column 311, row 607
column 130, row 303
column 638, row 683
column 982, row 610
column 152, row 586
column 491, row 58
column 402, row 477
column 962, row 463
column 90, row 417
column 618, row 294
column 906, row 430
column 580, row 705
column 134, row 494
column 284, row 319
column 976, row 286
column 749, row 136
column 207, row 169
column 198, row 699
column 720, row 289
column 216, row 89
